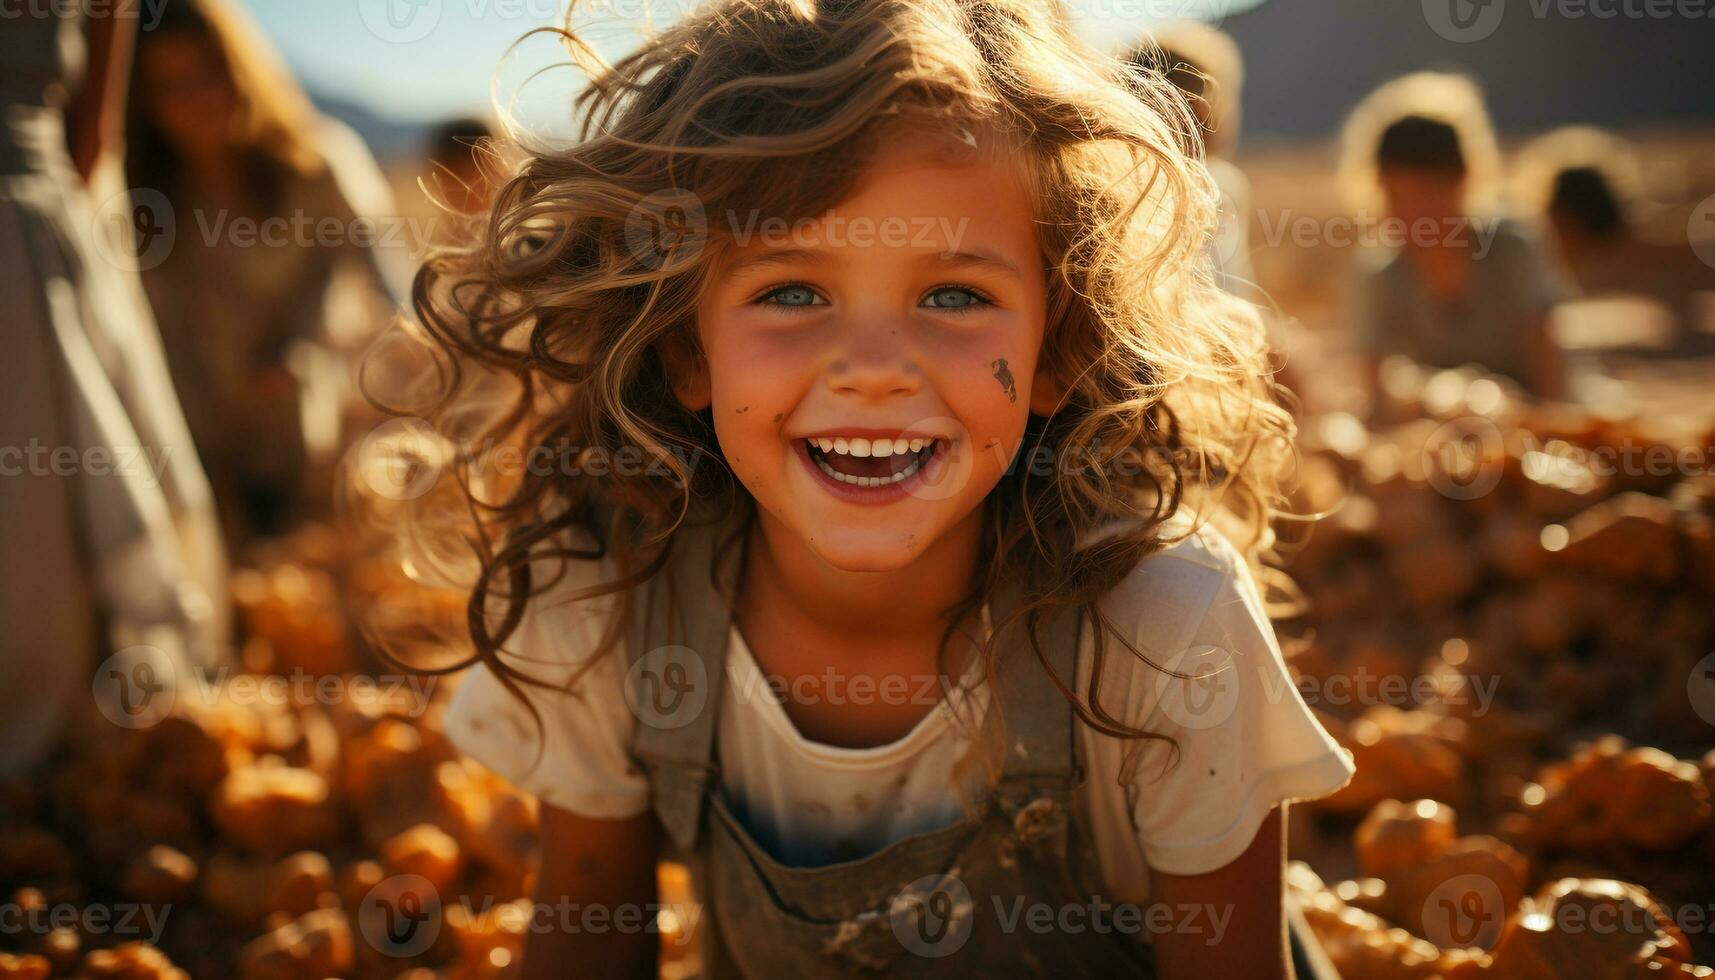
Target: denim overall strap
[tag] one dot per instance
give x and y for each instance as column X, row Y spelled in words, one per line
column 676, row 654
column 1041, row 767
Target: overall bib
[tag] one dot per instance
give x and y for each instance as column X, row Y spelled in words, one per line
column 952, row 902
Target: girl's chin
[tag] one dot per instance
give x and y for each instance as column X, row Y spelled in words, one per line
column 868, row 551
column 855, row 547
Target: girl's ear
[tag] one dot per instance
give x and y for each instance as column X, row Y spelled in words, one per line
column 688, row 372
column 1046, row 391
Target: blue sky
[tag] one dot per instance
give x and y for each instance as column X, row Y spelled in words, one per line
column 426, row 59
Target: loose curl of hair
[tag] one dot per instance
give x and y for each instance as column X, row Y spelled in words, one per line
column 555, row 329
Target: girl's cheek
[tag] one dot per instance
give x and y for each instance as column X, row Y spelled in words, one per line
column 745, row 358
column 766, row 370
column 752, row 398
column 993, row 377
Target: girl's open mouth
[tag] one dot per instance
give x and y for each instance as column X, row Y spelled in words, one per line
column 873, row 471
column 868, row 463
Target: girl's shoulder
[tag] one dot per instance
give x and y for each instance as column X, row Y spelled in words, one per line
column 1187, row 541
column 1235, row 735
column 566, row 736
column 1196, row 588
column 566, row 612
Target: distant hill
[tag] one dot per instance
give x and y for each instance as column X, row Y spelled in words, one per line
column 1309, row 61
column 389, row 138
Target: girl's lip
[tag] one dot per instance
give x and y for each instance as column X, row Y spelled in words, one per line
column 885, row 494
column 894, row 434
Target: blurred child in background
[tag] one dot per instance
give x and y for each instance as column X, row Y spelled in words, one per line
column 1588, row 187
column 278, row 258
column 1204, row 63
column 1452, row 284
column 455, row 155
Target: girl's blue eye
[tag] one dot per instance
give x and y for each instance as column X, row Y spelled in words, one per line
column 792, row 295
column 950, row 298
column 954, row 298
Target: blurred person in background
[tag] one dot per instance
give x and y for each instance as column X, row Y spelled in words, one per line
column 108, row 539
column 1588, row 187
column 462, row 161
column 1205, row 64
column 458, row 177
column 282, row 266
column 1451, row 283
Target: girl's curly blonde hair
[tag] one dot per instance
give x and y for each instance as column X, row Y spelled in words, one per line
column 552, row 329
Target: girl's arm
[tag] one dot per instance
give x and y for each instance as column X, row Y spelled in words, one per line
column 594, row 873
column 1229, row 922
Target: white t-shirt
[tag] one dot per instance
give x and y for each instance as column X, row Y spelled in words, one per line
column 1246, row 739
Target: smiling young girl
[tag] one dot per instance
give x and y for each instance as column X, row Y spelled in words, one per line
column 877, row 403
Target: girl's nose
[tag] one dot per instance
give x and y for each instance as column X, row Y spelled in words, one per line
column 875, row 361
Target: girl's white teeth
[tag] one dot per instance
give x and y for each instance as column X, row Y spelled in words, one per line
column 869, row 481
column 869, row 447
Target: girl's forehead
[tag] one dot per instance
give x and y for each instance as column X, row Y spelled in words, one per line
column 948, row 142
column 910, row 184
column 924, row 166
column 911, row 178
column 908, row 198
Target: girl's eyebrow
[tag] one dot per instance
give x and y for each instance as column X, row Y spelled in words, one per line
column 786, row 256
column 776, row 256
column 980, row 259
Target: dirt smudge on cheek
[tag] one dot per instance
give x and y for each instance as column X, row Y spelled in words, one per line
column 1003, row 374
